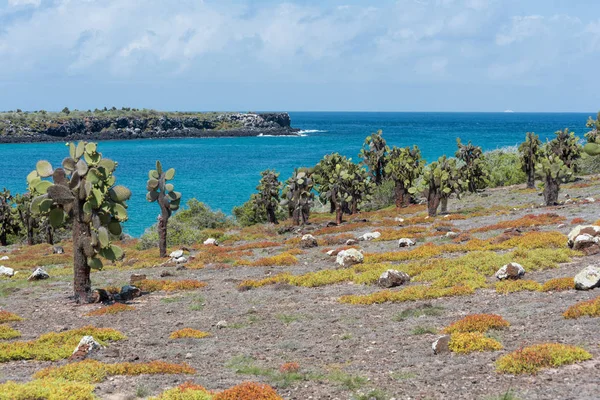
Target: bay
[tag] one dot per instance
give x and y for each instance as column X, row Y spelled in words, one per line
column 223, row 172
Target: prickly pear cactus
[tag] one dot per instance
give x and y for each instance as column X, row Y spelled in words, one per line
column 473, row 168
column 84, row 193
column 267, row 199
column 440, row 180
column 374, row 154
column 530, row 152
column 298, row 196
column 566, row 146
column 404, row 166
column 592, row 147
column 553, row 171
column 168, row 200
column 8, row 221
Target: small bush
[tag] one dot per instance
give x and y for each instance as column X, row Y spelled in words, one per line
column 531, row 359
column 188, row 333
column 289, row 367
column 504, row 167
column 511, row 286
column 6, row 316
column 468, row 342
column 477, row 323
column 558, row 285
column 47, row 389
column 409, row 294
column 589, row 308
column 112, row 309
column 153, row 285
column 185, row 391
column 6, row 332
column 248, row 391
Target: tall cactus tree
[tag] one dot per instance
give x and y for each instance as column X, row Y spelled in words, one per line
column 374, row 154
column 267, row 198
column 8, row 222
column 592, row 147
column 566, row 146
column 530, row 152
column 360, row 188
column 440, row 180
column 298, row 195
column 166, row 197
column 334, row 181
column 28, row 221
column 83, row 192
column 553, row 171
column 473, row 169
column 43, row 216
column 404, row 166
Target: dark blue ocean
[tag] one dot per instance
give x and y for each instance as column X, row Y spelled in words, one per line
column 224, row 172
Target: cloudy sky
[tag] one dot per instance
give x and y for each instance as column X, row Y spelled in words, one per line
column 379, row 55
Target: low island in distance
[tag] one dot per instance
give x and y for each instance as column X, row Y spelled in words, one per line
column 131, row 123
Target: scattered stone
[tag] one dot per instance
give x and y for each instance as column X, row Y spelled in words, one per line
column 330, row 253
column 308, row 241
column 351, row 242
column 38, row 274
column 370, row 236
column 188, row 356
column 330, row 224
column 347, row 258
column 398, row 219
column 165, row 273
column 393, row 278
column 590, row 199
column 405, row 242
column 452, row 235
column 588, row 278
column 181, row 260
column 560, row 226
column 5, row 271
column 4, row 258
column 86, row 345
column 177, row 253
column 211, row 242
column 135, row 278
column 441, row 345
column 592, row 230
column 587, row 244
column 128, row 292
column 181, row 268
column 221, row 324
column 510, row 271
column 58, row 250
column 443, row 229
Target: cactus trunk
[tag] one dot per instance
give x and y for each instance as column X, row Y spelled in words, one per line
column 433, row 202
column 444, row 203
column 401, row 195
column 531, row 178
column 49, row 234
column 82, row 284
column 272, row 218
column 162, row 225
column 551, row 189
column 338, row 213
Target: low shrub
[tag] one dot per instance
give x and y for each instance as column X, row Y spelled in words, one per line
column 248, row 391
column 6, row 316
column 188, row 333
column 531, row 359
column 185, row 391
column 47, row 389
column 6, row 332
column 589, row 308
column 112, row 309
column 511, row 286
column 504, row 167
column 477, row 323
column 154, row 285
column 468, row 342
column 558, row 285
column 409, row 294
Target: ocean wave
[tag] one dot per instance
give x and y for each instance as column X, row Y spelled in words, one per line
column 310, row 131
column 296, row 135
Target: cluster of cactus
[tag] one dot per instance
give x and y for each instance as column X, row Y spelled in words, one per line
column 341, row 183
column 83, row 192
column 374, row 155
column 552, row 170
column 473, row 169
column 8, row 223
column 298, row 196
column 592, row 147
column 566, row 146
column 27, row 219
column 404, row 166
column 166, row 197
column 41, row 219
column 440, row 180
column 267, row 199
column 530, row 152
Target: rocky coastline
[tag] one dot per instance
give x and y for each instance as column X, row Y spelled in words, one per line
column 56, row 128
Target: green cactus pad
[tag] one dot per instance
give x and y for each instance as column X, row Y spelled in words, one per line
column 174, row 195
column 159, row 167
column 152, row 184
column 108, row 164
column 112, row 253
column 119, row 194
column 72, row 149
column 120, row 213
column 44, row 168
column 114, row 227
column 81, row 167
column 90, row 148
column 92, row 159
column 94, row 263
column 169, row 187
column 41, row 187
column 56, row 217
column 153, row 174
column 69, row 164
column 152, row 196
column 103, row 237
column 94, row 176
column 79, row 150
column 592, row 149
column 170, row 174
column 32, row 177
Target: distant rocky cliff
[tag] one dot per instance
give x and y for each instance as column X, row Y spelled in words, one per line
column 118, row 124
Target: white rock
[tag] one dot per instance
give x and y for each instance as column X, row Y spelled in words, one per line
column 211, row 242
column 3, row 258
column 585, row 240
column 221, row 324
column 398, row 219
column 346, row 258
column 393, row 278
column 441, row 345
column 5, row 271
column 308, row 241
column 181, row 260
column 370, row 236
column 86, row 345
column 330, row 252
column 590, row 199
column 510, row 271
column 587, row 278
column 451, row 235
column 38, row 274
column 405, row 242
column 176, row 254
column 447, row 216
column 560, row 226
column 592, row 230
column 351, row 242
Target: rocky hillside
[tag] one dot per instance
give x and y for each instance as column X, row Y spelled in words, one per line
column 136, row 124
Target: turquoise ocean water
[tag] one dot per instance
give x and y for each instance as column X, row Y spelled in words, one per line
column 224, row 172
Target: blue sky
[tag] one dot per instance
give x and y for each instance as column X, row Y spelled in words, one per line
column 405, row 55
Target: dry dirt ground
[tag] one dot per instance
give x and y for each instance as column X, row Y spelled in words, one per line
column 344, row 351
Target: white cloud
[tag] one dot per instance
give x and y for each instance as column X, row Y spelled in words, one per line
column 17, row 3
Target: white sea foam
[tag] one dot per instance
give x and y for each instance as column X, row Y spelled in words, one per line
column 310, row 131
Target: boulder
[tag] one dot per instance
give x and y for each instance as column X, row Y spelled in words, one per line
column 38, row 274
column 399, row 219
column 308, row 241
column 370, row 236
column 4, row 258
column 405, row 242
column 177, row 253
column 591, row 230
column 351, row 242
column 331, row 253
column 221, row 324
column 590, row 199
column 586, row 243
column 441, row 345
column 393, row 278
column 347, row 258
column 451, row 235
column 510, row 271
column 211, row 242
column 181, row 260
column 86, row 345
column 588, row 278
column 5, row 271
column 58, row 250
